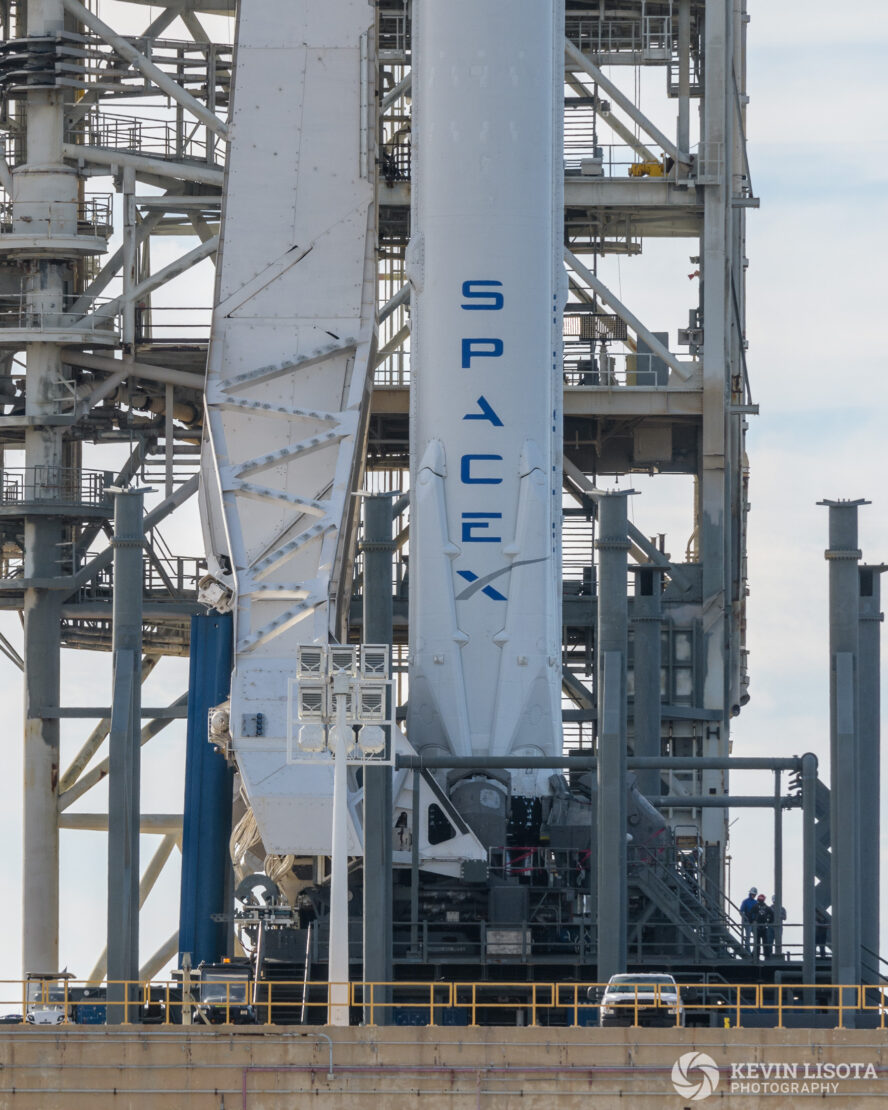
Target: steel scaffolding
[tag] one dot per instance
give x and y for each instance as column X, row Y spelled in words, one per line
column 102, row 382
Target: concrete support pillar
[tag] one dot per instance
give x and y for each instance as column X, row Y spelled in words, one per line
column 124, row 750
column 870, row 765
column 647, row 625
column 843, row 557
column 613, row 635
column 378, row 549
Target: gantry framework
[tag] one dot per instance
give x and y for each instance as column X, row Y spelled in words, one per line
column 103, row 372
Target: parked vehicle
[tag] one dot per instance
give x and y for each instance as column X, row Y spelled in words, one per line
column 46, row 1003
column 641, row 999
column 223, row 992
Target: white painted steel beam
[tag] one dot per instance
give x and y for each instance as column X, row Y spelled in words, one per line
column 174, row 269
column 614, row 122
column 580, row 61
column 102, row 157
column 121, row 369
column 98, row 822
column 684, row 371
column 154, row 73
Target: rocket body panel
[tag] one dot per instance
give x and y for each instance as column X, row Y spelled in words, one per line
column 485, row 264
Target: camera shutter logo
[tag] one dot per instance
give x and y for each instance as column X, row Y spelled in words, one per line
column 695, row 1076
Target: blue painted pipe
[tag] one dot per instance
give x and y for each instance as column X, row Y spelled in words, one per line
column 206, row 825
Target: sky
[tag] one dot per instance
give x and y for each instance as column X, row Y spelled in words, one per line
column 817, row 252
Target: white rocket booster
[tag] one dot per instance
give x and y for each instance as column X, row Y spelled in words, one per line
column 486, row 411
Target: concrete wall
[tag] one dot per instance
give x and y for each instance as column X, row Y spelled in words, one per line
column 211, row 1069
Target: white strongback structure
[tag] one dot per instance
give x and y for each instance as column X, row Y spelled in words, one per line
column 485, row 605
column 292, row 340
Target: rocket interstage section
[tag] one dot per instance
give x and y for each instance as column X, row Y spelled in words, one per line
column 486, row 411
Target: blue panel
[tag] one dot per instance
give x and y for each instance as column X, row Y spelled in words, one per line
column 208, row 787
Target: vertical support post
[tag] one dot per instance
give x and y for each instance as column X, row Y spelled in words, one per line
column 613, row 635
column 44, row 190
column 777, row 901
column 809, row 867
column 124, row 742
column 206, row 827
column 684, row 77
column 869, row 702
column 843, row 556
column 646, row 624
column 414, row 868
column 337, row 962
column 169, row 440
column 378, row 549
column 715, row 507
column 40, row 848
column 129, row 270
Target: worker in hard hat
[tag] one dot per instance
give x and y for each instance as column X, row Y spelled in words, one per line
column 764, row 921
column 748, row 916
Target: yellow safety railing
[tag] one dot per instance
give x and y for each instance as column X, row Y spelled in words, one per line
column 233, row 1001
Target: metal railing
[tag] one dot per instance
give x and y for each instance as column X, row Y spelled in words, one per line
column 141, row 135
column 186, row 323
column 395, row 161
column 394, row 372
column 163, row 576
column 91, row 216
column 17, row 312
column 582, row 155
column 394, row 34
column 56, row 484
column 245, row 1001
column 648, row 39
column 609, row 370
column 523, row 942
column 170, row 322
column 709, row 164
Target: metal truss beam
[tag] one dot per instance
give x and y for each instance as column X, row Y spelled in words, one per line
column 162, row 80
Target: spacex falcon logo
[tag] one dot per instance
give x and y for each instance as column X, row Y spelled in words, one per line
column 695, row 1076
column 483, row 584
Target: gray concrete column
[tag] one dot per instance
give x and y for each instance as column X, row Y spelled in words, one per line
column 843, row 557
column 124, row 750
column 869, row 701
column 378, row 550
column 647, row 624
column 611, row 649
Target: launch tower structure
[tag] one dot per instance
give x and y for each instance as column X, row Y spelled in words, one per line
column 319, row 281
